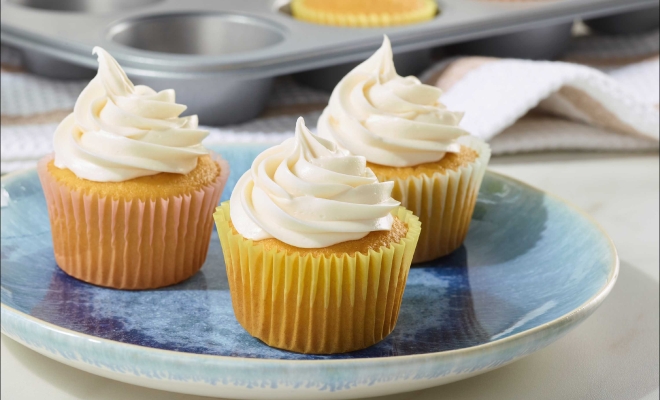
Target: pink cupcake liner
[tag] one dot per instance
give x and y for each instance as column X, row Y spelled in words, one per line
column 130, row 244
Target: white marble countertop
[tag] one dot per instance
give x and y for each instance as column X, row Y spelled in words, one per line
column 613, row 355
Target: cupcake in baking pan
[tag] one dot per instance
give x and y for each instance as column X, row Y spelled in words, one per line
column 130, row 189
column 316, row 250
column 364, row 13
column 408, row 137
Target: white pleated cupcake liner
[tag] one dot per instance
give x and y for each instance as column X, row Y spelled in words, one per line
column 444, row 203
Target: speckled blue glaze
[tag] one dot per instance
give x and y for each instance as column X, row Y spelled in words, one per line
column 530, row 269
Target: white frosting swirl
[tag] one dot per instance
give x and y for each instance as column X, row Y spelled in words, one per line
column 308, row 193
column 389, row 119
column 118, row 131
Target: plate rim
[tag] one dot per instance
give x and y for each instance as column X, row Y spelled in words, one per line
column 585, row 308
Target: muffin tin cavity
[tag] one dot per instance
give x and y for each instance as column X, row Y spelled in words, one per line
column 632, row 22
column 197, row 34
column 544, row 43
column 84, row 6
column 408, row 63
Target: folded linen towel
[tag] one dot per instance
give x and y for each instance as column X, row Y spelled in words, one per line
column 496, row 93
column 521, row 105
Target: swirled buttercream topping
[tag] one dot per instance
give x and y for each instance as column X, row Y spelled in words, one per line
column 389, row 119
column 119, row 131
column 308, row 193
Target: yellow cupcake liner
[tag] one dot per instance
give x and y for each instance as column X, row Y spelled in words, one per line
column 316, row 304
column 303, row 11
column 444, row 203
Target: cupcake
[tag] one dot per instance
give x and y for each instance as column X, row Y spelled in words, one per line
column 364, row 13
column 130, row 189
column 408, row 137
column 317, row 252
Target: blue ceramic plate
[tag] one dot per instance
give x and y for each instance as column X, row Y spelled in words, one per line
column 531, row 268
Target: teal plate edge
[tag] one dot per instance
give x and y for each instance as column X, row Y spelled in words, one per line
column 266, row 378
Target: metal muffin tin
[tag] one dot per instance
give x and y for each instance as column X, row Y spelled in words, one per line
column 221, row 56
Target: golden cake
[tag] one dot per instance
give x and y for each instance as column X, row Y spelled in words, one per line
column 364, row 13
column 450, row 162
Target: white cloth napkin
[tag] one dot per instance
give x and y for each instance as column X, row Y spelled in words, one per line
column 495, row 94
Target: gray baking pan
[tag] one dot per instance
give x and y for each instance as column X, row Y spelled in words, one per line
column 221, row 55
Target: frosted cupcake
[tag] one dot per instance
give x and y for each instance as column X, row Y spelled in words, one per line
column 409, row 137
column 130, row 189
column 364, row 13
column 317, row 251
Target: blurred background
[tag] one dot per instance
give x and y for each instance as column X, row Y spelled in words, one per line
column 565, row 91
column 251, row 67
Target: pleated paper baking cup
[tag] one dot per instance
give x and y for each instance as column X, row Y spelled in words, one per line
column 316, row 304
column 130, row 244
column 418, row 11
column 444, row 203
